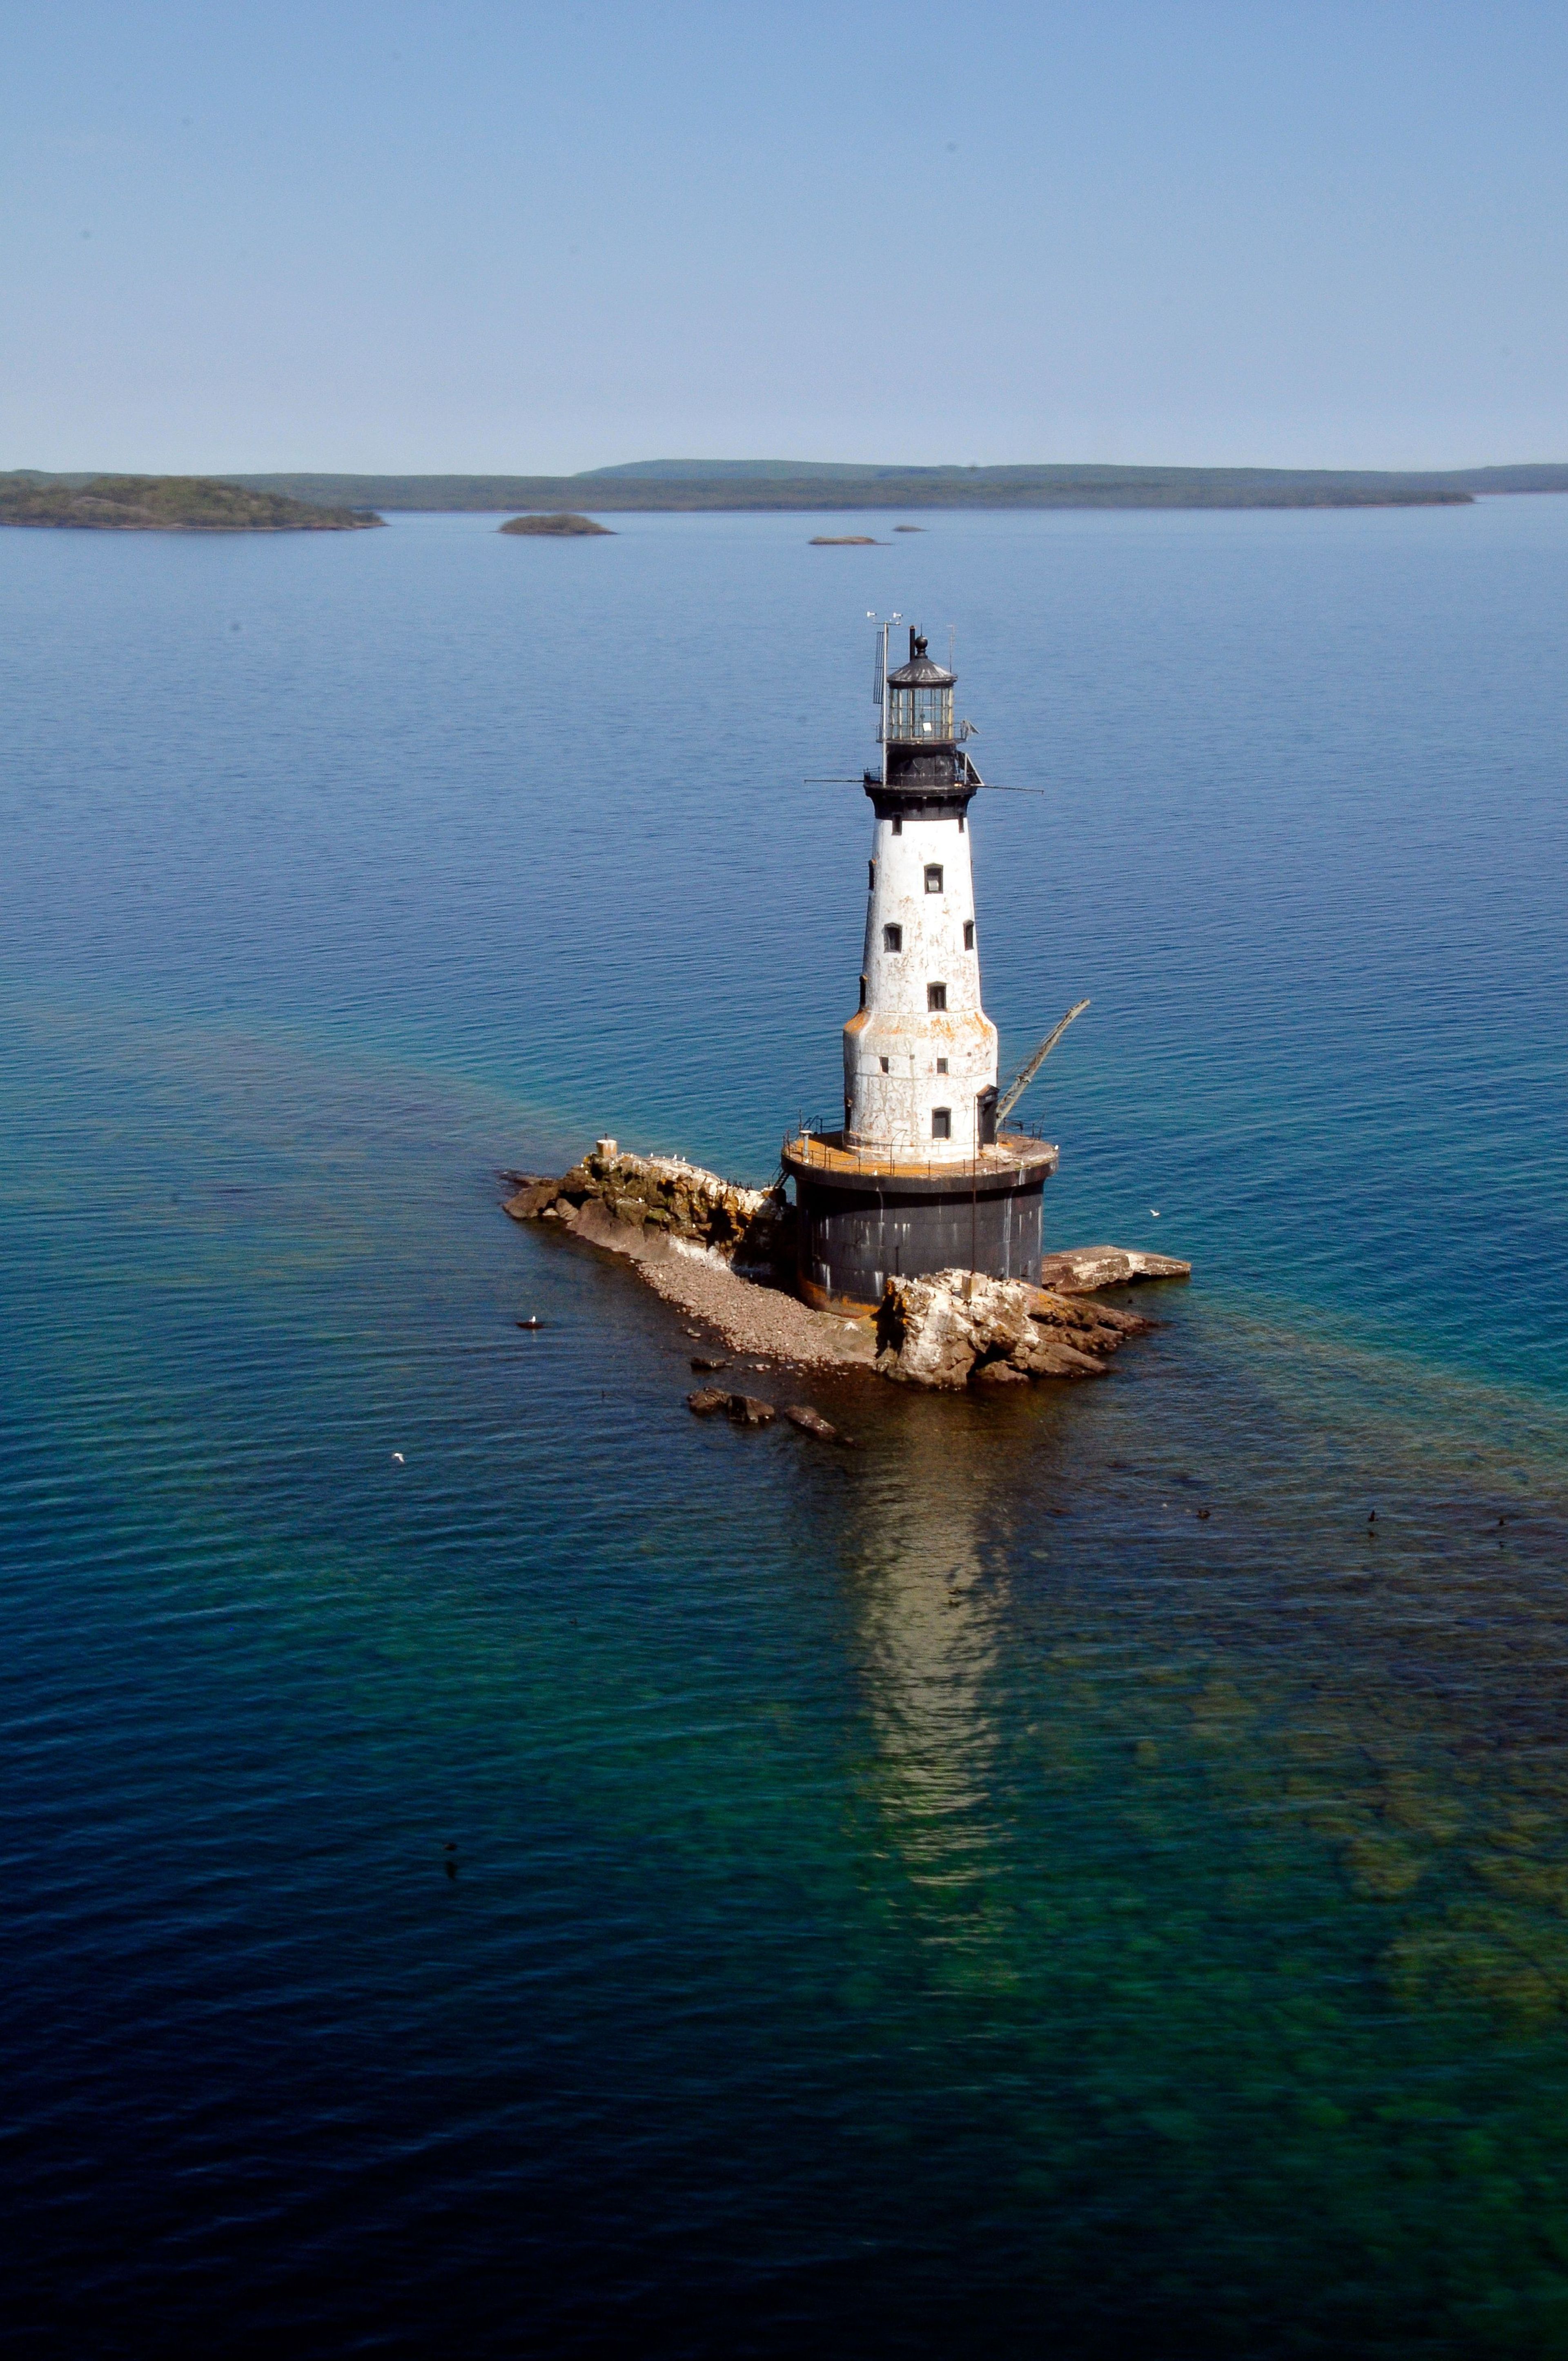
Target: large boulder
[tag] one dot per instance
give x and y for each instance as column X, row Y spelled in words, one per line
column 944, row 1329
column 533, row 1202
column 660, row 1204
column 958, row 1327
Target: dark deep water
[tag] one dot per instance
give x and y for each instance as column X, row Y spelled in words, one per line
column 944, row 1895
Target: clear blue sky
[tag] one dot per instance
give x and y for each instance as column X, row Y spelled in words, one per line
column 481, row 236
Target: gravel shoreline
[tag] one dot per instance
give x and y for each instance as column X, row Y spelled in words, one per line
column 752, row 1319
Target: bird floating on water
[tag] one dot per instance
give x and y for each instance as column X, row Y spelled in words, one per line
column 398, row 1457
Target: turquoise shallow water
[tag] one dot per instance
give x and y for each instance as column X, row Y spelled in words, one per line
column 948, row 1882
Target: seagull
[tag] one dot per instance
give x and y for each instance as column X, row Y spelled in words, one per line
column 398, row 1457
column 1154, row 1211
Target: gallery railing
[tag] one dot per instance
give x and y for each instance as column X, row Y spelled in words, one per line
column 812, row 1145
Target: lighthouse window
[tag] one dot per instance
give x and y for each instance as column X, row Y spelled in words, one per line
column 941, row 1123
column 920, row 713
column 936, row 995
column 969, row 934
column 886, row 1066
column 898, row 828
column 941, row 1065
column 892, row 939
column 932, row 877
column 862, row 991
column 870, row 879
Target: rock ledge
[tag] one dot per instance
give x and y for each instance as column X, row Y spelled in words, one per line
column 722, row 1253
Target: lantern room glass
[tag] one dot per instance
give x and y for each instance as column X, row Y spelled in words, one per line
column 914, row 714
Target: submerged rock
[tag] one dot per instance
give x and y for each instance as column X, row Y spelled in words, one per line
column 811, row 1422
column 743, row 1410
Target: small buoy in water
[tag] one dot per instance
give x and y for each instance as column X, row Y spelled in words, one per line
column 1203, row 1513
column 533, row 1321
column 449, row 1846
column 1372, row 1519
column 398, row 1457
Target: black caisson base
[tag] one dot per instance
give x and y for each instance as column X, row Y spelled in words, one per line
column 861, row 1223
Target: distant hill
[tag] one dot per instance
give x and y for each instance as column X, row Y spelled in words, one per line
column 718, row 470
column 166, row 504
column 787, row 484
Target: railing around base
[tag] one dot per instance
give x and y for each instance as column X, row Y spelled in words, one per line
column 824, row 1151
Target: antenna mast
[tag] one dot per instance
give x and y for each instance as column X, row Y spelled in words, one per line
column 879, row 687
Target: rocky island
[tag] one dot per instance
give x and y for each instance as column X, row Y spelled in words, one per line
column 165, row 504
column 566, row 525
column 724, row 1254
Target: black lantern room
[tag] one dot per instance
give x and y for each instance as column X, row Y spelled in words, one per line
column 919, row 736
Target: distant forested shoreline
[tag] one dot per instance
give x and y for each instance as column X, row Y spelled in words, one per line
column 306, row 501
column 764, row 485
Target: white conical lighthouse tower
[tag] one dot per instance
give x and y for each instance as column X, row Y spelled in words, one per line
column 920, row 1052
column 920, row 1177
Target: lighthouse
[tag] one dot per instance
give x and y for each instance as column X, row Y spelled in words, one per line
column 923, row 1175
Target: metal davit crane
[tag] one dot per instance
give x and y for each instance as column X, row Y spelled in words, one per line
column 1025, row 1074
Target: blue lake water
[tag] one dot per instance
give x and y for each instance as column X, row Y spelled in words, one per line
column 947, row 1884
